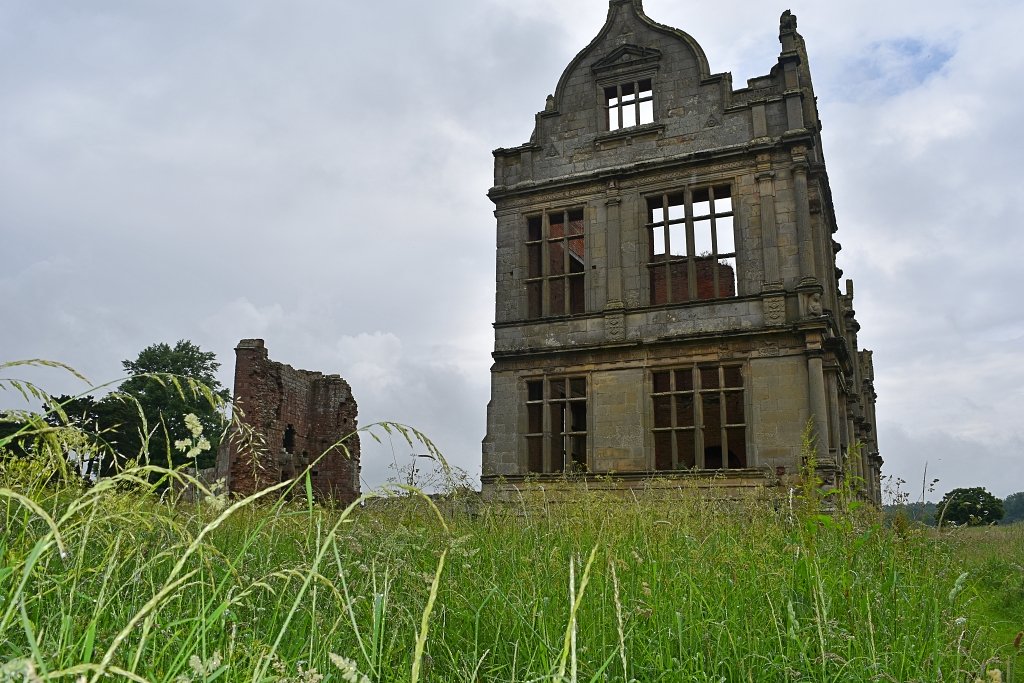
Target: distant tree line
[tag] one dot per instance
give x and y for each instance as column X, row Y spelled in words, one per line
column 143, row 420
column 973, row 506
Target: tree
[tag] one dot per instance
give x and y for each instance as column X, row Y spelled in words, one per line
column 11, row 440
column 1014, row 507
column 145, row 417
column 165, row 402
column 972, row 506
column 100, row 422
column 160, row 388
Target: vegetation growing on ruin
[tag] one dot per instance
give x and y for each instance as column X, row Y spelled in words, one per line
column 120, row 577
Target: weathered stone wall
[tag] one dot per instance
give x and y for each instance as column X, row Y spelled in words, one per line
column 626, row 279
column 747, row 484
column 786, row 324
column 776, row 396
column 778, row 403
column 619, row 410
column 303, row 419
column 694, row 111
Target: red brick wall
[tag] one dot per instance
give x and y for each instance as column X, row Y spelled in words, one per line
column 320, row 410
column 680, row 281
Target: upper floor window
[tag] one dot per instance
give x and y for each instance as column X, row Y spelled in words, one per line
column 692, row 253
column 629, row 104
column 555, row 255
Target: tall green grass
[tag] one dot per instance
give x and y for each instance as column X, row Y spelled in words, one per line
column 119, row 579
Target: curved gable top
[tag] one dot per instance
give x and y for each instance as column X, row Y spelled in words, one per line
column 629, row 11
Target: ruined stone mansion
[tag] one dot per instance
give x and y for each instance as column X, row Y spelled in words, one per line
column 668, row 302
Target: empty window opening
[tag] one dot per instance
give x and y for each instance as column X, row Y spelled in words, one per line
column 629, row 104
column 555, row 263
column 698, row 416
column 289, row 439
column 556, row 416
column 692, row 245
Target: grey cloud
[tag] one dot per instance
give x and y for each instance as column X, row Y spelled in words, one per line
column 318, row 173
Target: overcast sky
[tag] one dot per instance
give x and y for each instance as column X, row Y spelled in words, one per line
column 314, row 173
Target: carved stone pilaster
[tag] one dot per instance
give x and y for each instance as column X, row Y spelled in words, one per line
column 613, row 244
column 818, row 402
column 805, row 240
column 769, row 228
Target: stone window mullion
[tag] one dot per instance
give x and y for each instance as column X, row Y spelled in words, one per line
column 698, row 402
column 618, row 103
column 691, row 262
column 723, row 432
column 566, row 262
column 714, row 245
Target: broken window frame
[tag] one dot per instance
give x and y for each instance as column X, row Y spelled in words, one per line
column 725, row 389
column 666, row 263
column 556, row 263
column 550, row 448
column 635, row 97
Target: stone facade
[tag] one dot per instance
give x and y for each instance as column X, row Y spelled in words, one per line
column 668, row 302
column 298, row 419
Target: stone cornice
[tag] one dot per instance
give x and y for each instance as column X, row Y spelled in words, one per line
column 695, row 338
column 739, row 153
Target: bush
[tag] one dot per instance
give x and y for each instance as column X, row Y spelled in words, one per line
column 971, row 506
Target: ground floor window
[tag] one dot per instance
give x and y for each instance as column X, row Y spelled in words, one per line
column 556, row 432
column 698, row 418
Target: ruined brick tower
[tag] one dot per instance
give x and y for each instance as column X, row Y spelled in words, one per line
column 668, row 301
column 299, row 415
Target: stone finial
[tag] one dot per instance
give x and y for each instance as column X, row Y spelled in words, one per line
column 787, row 22
column 549, row 103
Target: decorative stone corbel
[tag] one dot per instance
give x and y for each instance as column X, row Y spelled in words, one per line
column 774, row 306
column 615, row 323
column 810, row 294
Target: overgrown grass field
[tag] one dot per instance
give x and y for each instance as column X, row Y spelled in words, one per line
column 108, row 581
column 124, row 578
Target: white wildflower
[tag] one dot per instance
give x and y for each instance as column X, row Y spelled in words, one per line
column 349, row 670
column 310, row 675
column 200, row 668
column 278, row 665
column 197, row 443
column 19, row 671
column 193, row 424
